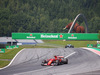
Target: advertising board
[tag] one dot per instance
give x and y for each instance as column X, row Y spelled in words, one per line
column 2, row 50
column 9, row 47
column 56, row 36
column 98, row 45
column 89, row 45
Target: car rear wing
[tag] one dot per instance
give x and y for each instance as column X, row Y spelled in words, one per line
column 60, row 56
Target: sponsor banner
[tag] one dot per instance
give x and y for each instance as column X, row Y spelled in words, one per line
column 89, row 45
column 49, row 36
column 9, row 47
column 56, row 36
column 72, row 36
column 98, row 45
column 15, row 46
column 37, row 36
column 30, row 36
column 2, row 50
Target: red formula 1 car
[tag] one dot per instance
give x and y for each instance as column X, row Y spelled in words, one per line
column 57, row 60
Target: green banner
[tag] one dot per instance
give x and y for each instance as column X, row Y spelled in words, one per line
column 2, row 50
column 56, row 36
column 15, row 46
column 90, row 45
column 9, row 47
column 98, row 45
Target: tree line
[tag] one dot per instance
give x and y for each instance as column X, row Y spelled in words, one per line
column 46, row 16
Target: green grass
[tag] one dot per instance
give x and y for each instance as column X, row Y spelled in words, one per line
column 9, row 54
column 75, row 43
column 4, row 63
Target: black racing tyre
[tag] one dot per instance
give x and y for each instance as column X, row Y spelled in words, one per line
column 56, row 63
column 42, row 64
column 44, row 61
column 72, row 46
column 65, row 61
column 66, row 46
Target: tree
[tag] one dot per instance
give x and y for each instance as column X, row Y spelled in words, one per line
column 94, row 25
column 46, row 15
column 99, row 35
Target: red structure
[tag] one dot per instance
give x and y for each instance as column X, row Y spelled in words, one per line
column 77, row 28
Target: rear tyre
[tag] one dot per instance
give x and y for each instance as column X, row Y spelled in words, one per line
column 43, row 62
column 56, row 63
column 66, row 46
column 72, row 46
column 65, row 61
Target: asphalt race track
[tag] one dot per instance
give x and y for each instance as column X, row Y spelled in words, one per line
column 28, row 62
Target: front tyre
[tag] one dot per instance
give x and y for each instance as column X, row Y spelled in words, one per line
column 42, row 64
column 56, row 63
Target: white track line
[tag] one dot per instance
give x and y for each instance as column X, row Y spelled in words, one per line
column 12, row 60
column 70, row 55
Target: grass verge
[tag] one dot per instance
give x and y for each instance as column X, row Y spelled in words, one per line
column 76, row 44
column 4, row 63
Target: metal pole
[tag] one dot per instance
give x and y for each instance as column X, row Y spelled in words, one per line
column 72, row 26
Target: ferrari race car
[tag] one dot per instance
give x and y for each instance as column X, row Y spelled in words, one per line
column 69, row 46
column 57, row 60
